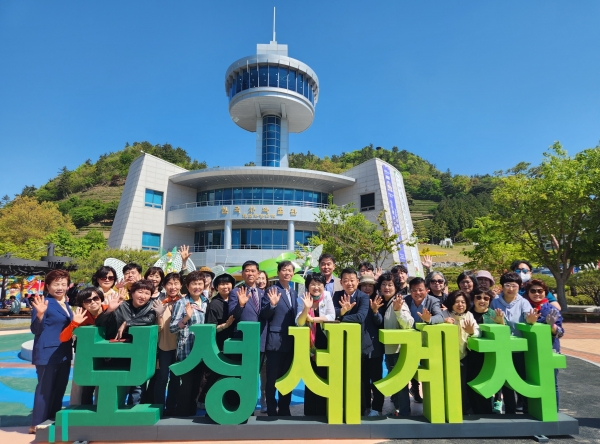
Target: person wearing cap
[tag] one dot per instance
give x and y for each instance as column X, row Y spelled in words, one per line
column 372, row 371
column 485, row 281
column 208, row 279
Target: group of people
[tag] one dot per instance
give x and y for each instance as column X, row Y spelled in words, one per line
column 375, row 299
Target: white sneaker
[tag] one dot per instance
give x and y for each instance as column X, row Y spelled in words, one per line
column 374, row 413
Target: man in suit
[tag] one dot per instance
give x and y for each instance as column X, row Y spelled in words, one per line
column 423, row 308
column 352, row 305
column 327, row 265
column 278, row 309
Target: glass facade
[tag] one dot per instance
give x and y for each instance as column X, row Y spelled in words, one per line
column 250, row 239
column 274, row 76
column 262, row 196
column 271, row 141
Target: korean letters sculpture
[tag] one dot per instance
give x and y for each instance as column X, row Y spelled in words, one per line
column 430, row 354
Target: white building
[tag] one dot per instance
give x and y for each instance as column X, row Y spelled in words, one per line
column 234, row 214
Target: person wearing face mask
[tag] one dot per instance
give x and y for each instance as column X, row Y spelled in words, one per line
column 315, row 308
column 523, row 268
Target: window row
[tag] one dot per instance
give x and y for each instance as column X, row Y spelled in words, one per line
column 261, row 196
column 274, row 76
column 250, row 239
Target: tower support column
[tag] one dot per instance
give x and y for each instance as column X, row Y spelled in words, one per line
column 291, row 235
column 227, row 234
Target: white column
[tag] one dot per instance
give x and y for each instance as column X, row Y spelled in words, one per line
column 291, row 235
column 227, row 234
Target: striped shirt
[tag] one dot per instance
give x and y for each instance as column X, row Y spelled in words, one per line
column 185, row 339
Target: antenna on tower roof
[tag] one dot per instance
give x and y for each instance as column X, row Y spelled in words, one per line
column 274, row 39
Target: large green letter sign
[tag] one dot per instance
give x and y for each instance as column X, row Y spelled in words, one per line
column 343, row 378
column 540, row 362
column 439, row 372
column 430, row 354
column 240, row 377
column 113, row 367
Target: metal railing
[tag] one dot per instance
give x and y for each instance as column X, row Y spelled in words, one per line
column 203, row 248
column 229, row 202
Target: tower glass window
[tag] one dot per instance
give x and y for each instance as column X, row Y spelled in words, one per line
column 300, row 85
column 253, row 76
column 263, row 75
column 271, row 141
column 273, row 76
column 283, row 77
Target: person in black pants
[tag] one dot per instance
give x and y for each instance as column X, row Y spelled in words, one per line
column 278, row 309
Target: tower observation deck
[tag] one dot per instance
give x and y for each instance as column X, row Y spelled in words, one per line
column 273, row 95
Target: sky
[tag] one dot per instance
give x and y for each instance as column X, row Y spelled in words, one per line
column 470, row 86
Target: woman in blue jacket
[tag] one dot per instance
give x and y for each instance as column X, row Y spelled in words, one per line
column 52, row 358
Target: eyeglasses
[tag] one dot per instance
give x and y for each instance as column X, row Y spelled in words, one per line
column 437, row 281
column 522, row 270
column 511, row 285
column 537, row 291
column 92, row 299
column 107, row 278
column 480, row 297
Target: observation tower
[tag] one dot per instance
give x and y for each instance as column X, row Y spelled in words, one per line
column 273, row 95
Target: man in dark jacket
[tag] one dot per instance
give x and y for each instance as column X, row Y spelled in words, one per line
column 278, row 308
column 423, row 308
column 352, row 305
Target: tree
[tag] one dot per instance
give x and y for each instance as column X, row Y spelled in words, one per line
column 351, row 238
column 493, row 250
column 552, row 212
column 587, row 282
column 27, row 219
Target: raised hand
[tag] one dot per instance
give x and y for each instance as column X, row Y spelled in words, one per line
column 469, row 327
column 274, row 296
column 308, row 301
column 426, row 261
column 398, row 302
column 184, row 252
column 243, row 296
column 345, row 304
column 41, row 305
column 376, row 303
column 158, row 308
column 114, row 300
column 552, row 316
column 532, row 317
column 120, row 284
column 189, row 311
column 425, row 316
column 378, row 272
column 499, row 318
column 120, row 331
column 79, row 315
column 122, row 294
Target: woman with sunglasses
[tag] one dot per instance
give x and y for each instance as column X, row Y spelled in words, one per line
column 536, row 292
column 89, row 306
column 104, row 279
column 436, row 283
column 483, row 314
